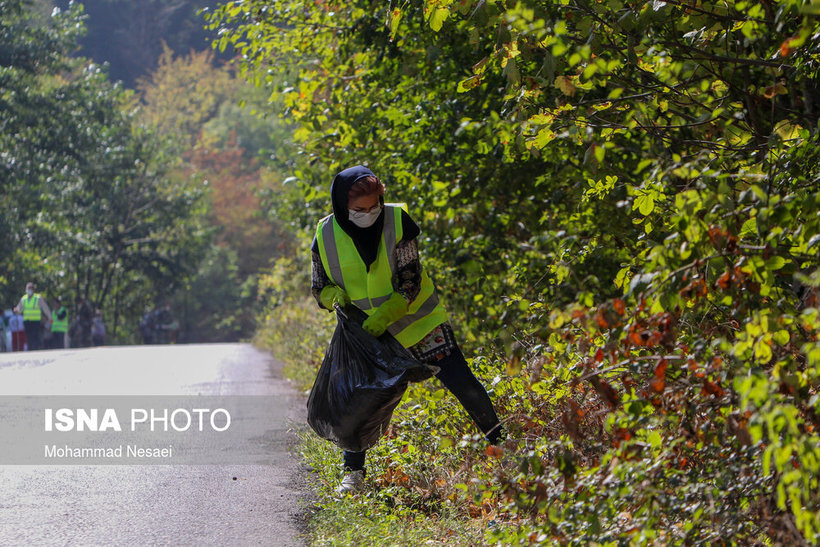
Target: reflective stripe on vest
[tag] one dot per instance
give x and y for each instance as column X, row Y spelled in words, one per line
column 369, row 288
column 31, row 308
column 59, row 325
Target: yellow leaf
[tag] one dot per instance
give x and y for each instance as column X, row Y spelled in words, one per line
column 564, row 83
column 395, row 19
column 543, row 138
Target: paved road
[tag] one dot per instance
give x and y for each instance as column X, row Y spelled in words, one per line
column 261, row 504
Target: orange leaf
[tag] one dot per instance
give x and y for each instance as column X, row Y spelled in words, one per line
column 660, row 368
column 786, row 46
column 723, row 281
column 622, row 434
column 712, row 388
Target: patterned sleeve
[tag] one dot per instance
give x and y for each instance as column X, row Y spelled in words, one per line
column 408, row 270
column 318, row 276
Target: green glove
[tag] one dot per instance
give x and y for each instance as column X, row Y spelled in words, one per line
column 389, row 312
column 332, row 295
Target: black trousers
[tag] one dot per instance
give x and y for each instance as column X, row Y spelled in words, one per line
column 457, row 377
column 57, row 340
column 34, row 334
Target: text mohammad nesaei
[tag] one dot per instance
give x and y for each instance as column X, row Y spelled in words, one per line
column 81, row 419
column 130, row 451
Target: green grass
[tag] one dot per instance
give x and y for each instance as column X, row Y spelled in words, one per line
column 377, row 515
column 413, row 492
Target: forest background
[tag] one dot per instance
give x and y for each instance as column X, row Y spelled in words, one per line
column 619, row 204
column 134, row 170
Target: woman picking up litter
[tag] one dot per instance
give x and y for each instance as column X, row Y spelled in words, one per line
column 365, row 253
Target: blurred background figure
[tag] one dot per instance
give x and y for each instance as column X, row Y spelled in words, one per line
column 168, row 325
column 98, row 329
column 34, row 309
column 59, row 325
column 148, row 326
column 17, row 331
column 5, row 332
column 79, row 330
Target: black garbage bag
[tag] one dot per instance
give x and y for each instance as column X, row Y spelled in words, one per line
column 360, row 382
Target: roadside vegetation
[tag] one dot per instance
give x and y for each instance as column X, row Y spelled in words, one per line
column 618, row 201
column 619, row 204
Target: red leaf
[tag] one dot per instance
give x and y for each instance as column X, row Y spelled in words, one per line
column 660, row 368
column 606, row 391
column 658, row 383
column 785, row 47
column 712, row 388
column 724, row 280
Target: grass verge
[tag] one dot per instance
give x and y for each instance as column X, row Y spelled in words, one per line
column 418, row 489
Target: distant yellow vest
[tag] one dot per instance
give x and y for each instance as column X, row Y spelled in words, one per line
column 31, row 308
column 59, row 325
column 369, row 288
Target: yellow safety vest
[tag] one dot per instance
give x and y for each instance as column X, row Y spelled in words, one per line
column 368, row 289
column 31, row 308
column 59, row 325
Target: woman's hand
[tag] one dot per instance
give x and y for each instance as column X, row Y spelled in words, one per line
column 332, row 295
column 391, row 311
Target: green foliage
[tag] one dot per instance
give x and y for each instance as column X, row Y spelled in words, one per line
column 290, row 326
column 217, row 302
column 87, row 208
column 622, row 199
column 183, row 94
column 209, row 119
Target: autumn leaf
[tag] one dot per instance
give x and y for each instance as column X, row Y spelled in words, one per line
column 712, row 388
column 606, row 391
column 659, row 381
column 724, row 280
column 564, row 83
column 570, row 419
column 785, row 47
column 772, row 91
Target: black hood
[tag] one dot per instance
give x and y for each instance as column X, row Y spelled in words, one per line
column 366, row 239
column 338, row 197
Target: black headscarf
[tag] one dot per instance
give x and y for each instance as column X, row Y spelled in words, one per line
column 366, row 239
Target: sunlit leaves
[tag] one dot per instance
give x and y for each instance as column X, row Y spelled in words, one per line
column 436, row 13
column 560, row 154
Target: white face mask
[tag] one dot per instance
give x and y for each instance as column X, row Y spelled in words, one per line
column 30, row 292
column 363, row 219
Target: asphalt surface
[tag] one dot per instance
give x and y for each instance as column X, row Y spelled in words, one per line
column 247, row 504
